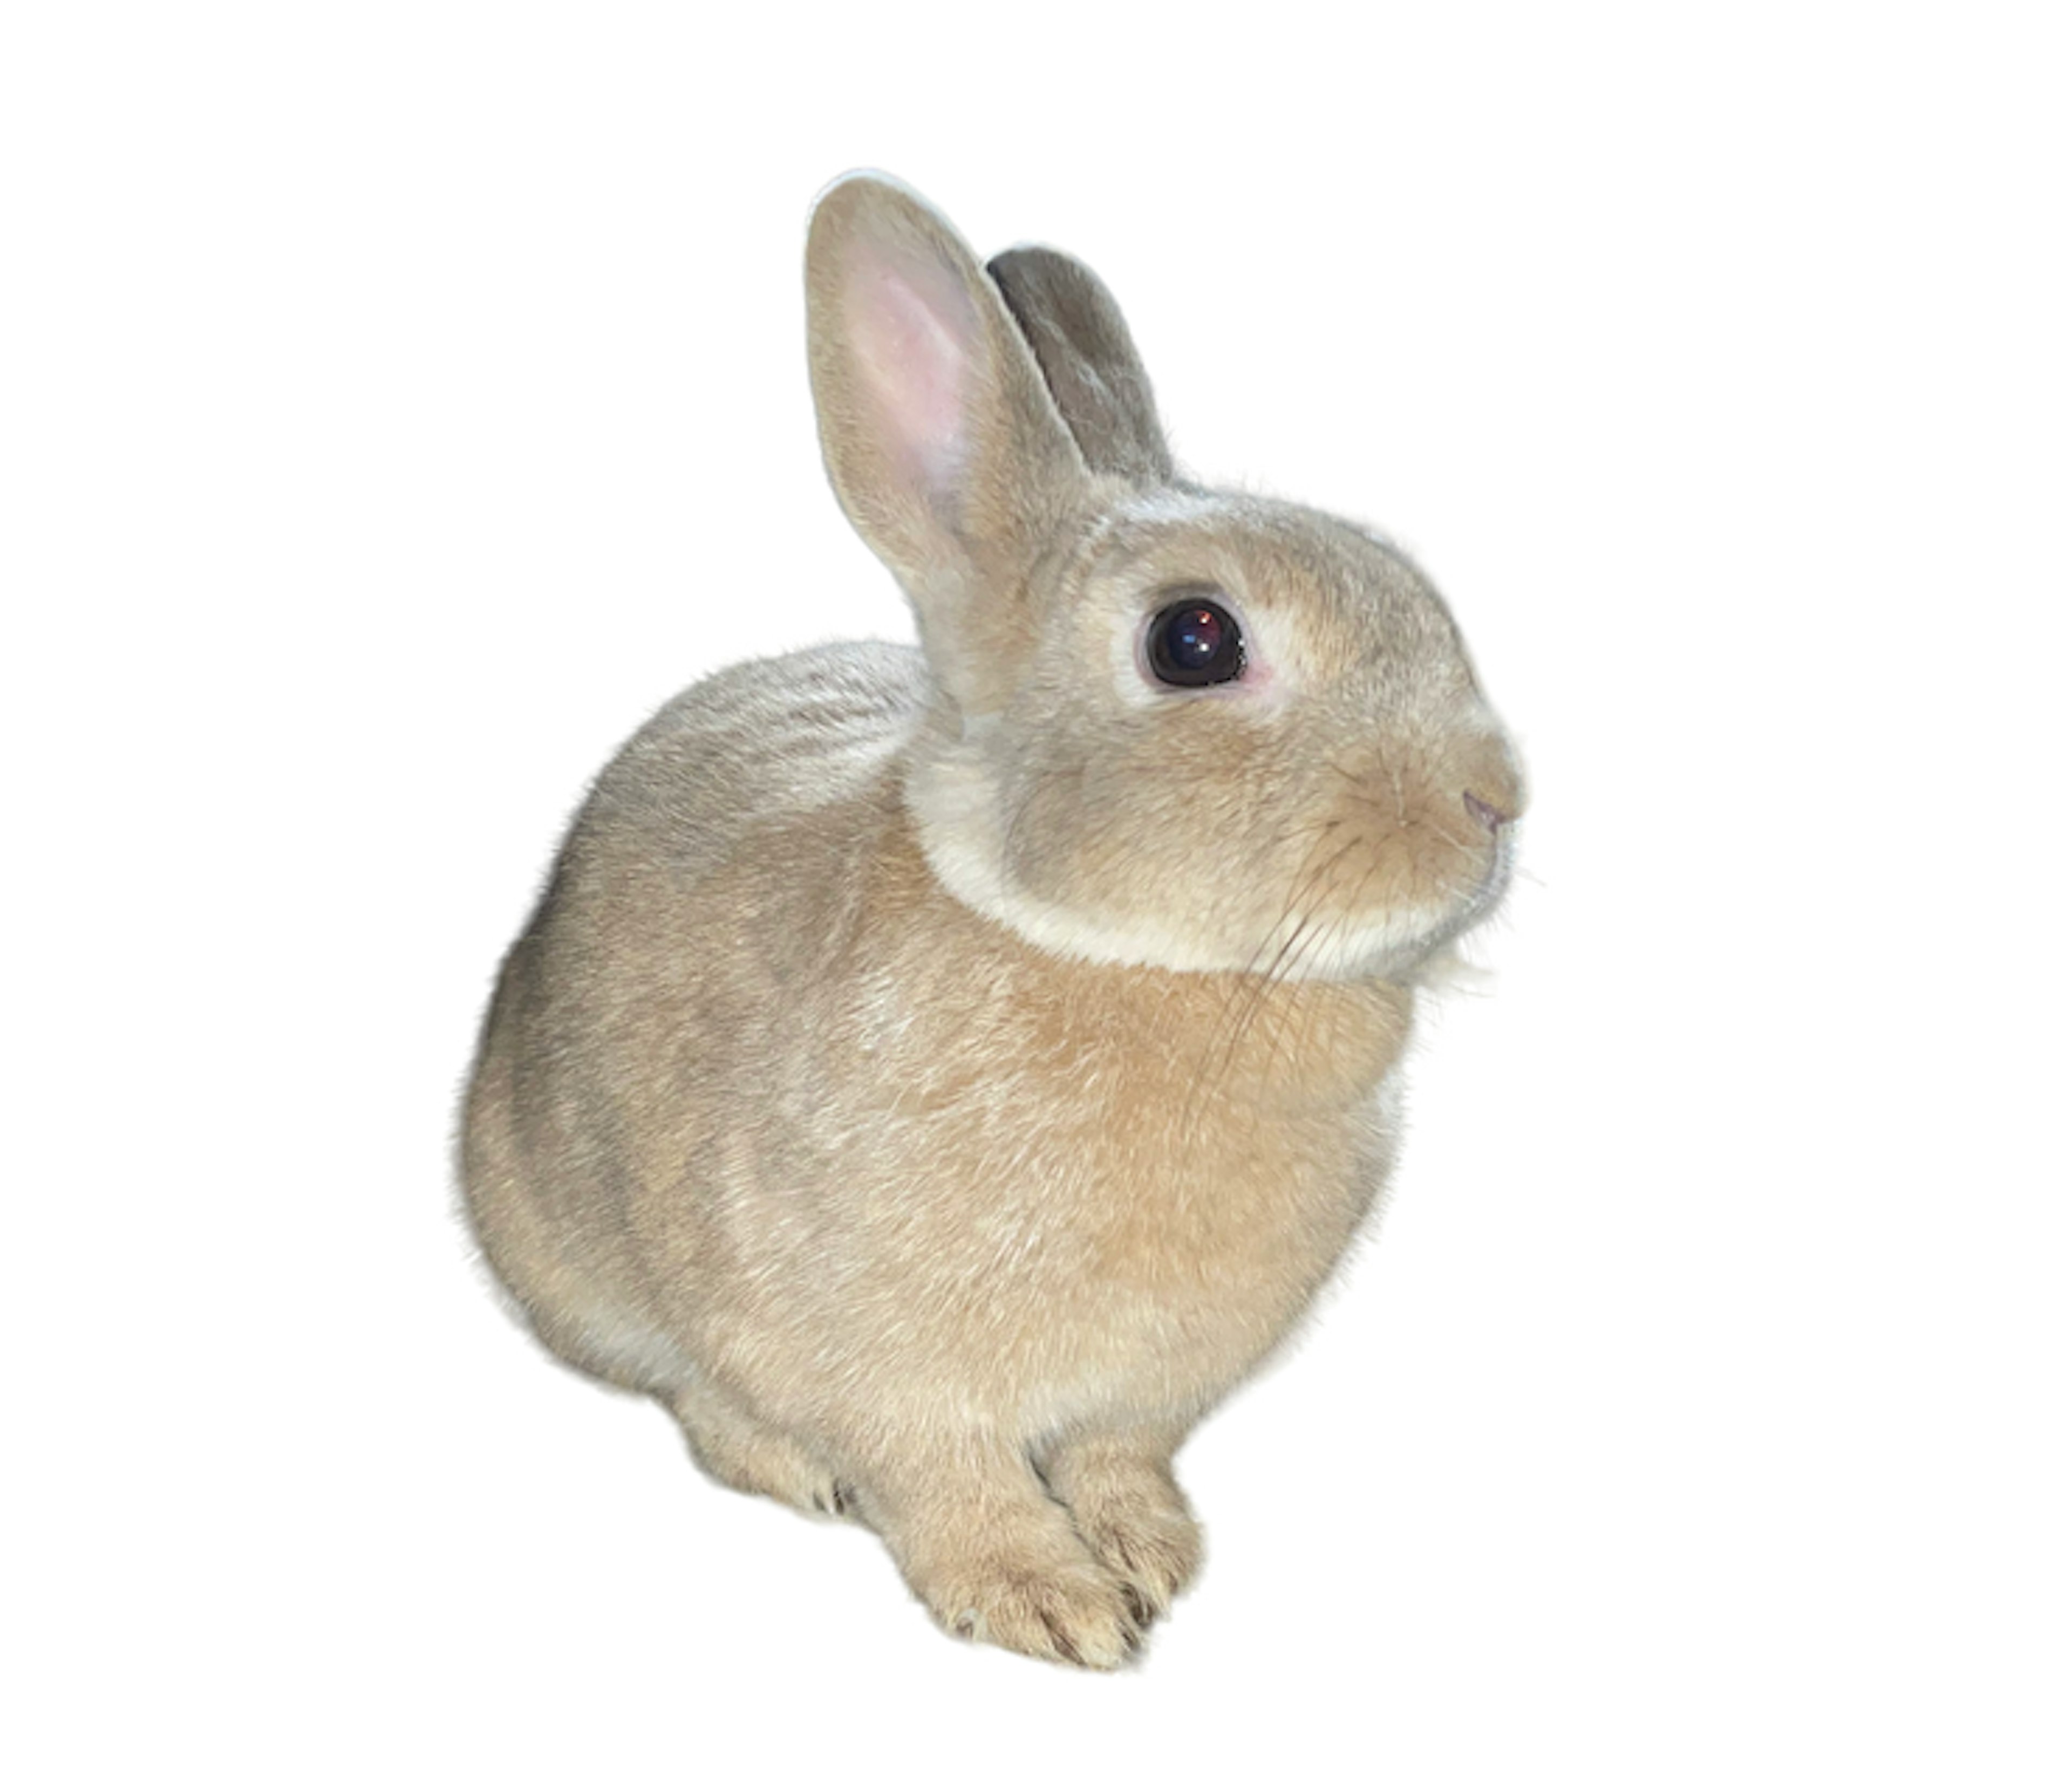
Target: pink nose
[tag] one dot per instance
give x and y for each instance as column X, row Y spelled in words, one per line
column 1491, row 817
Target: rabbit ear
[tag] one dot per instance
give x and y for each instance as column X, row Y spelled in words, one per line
column 944, row 448
column 1095, row 375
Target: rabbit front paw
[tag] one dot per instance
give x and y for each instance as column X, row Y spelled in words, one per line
column 1075, row 1611
column 1155, row 1548
column 1128, row 1511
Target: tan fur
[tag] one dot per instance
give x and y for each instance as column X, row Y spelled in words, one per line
column 940, row 1076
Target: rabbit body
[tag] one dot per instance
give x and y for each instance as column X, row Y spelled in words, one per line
column 869, row 1085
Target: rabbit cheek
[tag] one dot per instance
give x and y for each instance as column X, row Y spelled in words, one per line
column 1403, row 859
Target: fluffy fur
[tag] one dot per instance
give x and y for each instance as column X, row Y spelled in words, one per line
column 941, row 1075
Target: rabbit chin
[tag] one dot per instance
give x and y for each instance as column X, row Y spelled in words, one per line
column 965, row 857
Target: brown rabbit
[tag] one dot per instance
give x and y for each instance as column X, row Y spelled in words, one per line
column 941, row 1074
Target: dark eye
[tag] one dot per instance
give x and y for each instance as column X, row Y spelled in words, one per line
column 1195, row 642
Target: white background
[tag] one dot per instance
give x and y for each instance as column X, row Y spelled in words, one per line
column 397, row 401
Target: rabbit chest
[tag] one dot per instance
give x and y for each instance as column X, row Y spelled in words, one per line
column 924, row 1148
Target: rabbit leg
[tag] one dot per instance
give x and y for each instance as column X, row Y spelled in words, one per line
column 734, row 1448
column 1118, row 1487
column 995, row 1558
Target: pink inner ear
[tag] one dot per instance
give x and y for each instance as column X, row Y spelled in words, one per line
column 910, row 326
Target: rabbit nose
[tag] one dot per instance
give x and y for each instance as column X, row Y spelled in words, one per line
column 1491, row 817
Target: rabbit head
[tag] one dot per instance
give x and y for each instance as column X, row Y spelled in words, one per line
column 1170, row 726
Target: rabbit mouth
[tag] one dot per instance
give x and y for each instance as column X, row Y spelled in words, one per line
column 1395, row 939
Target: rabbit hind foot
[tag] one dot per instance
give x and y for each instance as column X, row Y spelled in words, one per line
column 739, row 1451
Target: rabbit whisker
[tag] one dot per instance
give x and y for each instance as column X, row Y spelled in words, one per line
column 1300, row 1006
column 1310, row 891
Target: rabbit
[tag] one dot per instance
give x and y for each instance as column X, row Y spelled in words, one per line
column 940, row 1074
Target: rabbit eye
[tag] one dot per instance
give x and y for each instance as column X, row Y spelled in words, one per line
column 1195, row 642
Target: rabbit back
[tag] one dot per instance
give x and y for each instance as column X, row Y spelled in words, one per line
column 611, row 1029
